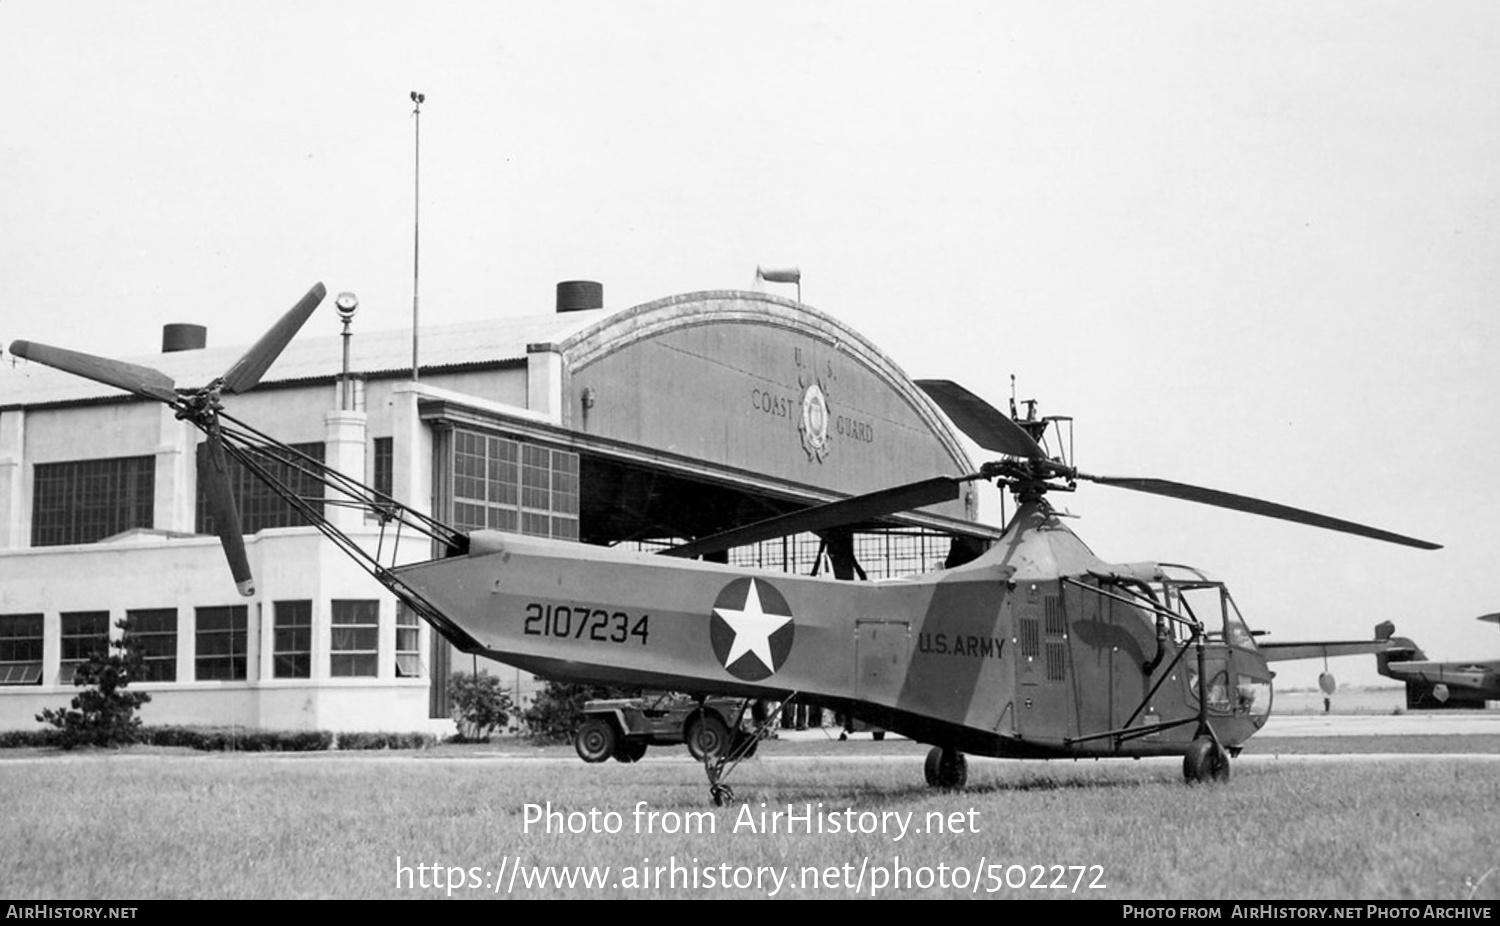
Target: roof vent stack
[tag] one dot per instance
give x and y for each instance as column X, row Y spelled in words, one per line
column 180, row 337
column 579, row 295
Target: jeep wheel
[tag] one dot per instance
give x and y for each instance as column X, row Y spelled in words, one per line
column 595, row 740
column 630, row 750
column 707, row 736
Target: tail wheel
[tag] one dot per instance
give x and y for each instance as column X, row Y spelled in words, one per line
column 1205, row 761
column 595, row 740
column 630, row 751
column 946, row 768
column 707, row 736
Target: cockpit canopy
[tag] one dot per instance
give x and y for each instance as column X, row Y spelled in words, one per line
column 1197, row 597
column 1189, row 596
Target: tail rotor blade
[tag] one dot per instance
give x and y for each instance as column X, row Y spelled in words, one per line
column 985, row 424
column 213, row 475
column 248, row 370
column 1258, row 506
column 134, row 378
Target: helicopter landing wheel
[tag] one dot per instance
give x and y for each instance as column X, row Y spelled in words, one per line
column 946, row 768
column 721, row 794
column 1205, row 761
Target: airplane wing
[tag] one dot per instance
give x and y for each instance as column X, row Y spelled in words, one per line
column 1326, row 649
column 1277, row 652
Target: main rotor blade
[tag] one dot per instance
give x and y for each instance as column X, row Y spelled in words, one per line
column 833, row 514
column 213, row 476
column 248, row 370
column 1255, row 506
column 984, row 423
column 143, row 381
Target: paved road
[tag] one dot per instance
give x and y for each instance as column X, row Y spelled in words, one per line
column 1438, row 723
column 1435, row 723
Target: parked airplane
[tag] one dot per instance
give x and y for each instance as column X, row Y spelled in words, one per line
column 1436, row 685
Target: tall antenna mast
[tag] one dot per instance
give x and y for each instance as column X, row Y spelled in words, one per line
column 416, row 231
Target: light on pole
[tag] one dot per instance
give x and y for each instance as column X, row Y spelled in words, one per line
column 416, row 236
column 347, row 304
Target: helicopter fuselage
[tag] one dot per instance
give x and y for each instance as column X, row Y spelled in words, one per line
column 1034, row 649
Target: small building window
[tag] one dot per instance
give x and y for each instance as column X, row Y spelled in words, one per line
column 408, row 643
column 153, row 632
column 221, row 639
column 84, row 633
column 355, row 650
column 83, row 501
column 292, row 649
column 20, row 649
column 382, row 470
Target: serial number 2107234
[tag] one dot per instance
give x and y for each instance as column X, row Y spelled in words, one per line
column 580, row 622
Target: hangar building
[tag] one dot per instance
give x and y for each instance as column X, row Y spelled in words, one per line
column 666, row 421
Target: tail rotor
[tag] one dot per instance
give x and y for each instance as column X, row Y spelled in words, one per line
column 200, row 406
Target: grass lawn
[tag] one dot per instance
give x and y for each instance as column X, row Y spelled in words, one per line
column 159, row 823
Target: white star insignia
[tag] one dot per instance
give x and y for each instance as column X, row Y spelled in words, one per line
column 752, row 628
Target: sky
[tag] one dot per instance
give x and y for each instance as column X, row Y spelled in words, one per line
column 1249, row 246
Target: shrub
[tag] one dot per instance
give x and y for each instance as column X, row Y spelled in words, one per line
column 558, row 708
column 383, row 740
column 18, row 739
column 103, row 713
column 238, row 739
column 480, row 705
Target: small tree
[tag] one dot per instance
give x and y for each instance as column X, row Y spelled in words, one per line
column 103, row 713
column 480, row 705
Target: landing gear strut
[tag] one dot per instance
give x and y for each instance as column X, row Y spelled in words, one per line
column 733, row 747
column 946, row 768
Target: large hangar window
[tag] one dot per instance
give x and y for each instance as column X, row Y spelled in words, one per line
column 259, row 507
column 508, row 485
column 82, row 501
column 881, row 554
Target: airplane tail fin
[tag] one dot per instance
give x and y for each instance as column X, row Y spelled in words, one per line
column 1399, row 649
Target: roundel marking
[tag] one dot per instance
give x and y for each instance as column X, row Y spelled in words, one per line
column 751, row 629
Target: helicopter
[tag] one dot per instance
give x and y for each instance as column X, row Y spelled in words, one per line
column 1033, row 647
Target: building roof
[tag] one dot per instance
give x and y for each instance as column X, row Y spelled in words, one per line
column 315, row 357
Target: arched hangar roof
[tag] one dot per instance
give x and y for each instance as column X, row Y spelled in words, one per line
column 755, row 382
